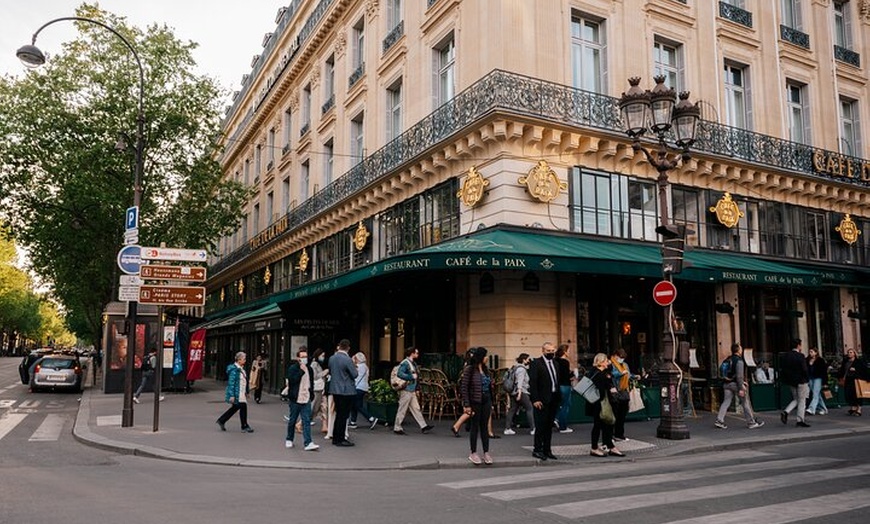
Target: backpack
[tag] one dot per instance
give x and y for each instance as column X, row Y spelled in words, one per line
column 509, row 381
column 397, row 383
column 146, row 363
column 727, row 369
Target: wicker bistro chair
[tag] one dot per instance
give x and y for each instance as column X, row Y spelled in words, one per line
column 500, row 400
column 439, row 377
column 445, row 401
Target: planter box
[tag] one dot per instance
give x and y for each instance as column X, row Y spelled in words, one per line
column 763, row 397
column 385, row 412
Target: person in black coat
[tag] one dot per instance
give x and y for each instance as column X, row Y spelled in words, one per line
column 853, row 368
column 546, row 399
column 601, row 377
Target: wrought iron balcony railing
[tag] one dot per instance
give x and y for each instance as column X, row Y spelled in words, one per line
column 512, row 94
column 304, row 129
column 329, row 104
column 394, row 35
column 794, row 36
column 356, row 75
column 735, row 14
column 847, row 55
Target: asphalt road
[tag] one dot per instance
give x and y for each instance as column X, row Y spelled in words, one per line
column 56, row 479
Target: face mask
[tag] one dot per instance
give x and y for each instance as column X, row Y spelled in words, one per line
column 549, row 356
column 303, row 360
column 320, row 359
column 620, row 360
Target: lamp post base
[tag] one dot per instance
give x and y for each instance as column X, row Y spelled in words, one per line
column 671, row 423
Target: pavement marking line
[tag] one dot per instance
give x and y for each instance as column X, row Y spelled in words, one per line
column 643, row 480
column 9, row 422
column 7, row 403
column 622, row 467
column 49, row 430
column 29, row 404
column 109, row 420
column 786, row 512
column 576, row 510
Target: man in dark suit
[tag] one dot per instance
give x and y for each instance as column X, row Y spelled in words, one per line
column 546, row 398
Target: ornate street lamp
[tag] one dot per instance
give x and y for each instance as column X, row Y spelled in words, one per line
column 31, row 56
column 657, row 111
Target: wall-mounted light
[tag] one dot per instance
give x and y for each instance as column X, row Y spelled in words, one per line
column 724, row 308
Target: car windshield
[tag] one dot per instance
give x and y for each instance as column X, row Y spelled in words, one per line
column 58, row 363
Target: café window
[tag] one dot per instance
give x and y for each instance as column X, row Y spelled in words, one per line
column 613, row 205
column 689, row 209
column 419, row 221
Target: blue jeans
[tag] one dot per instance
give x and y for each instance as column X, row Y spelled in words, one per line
column 359, row 406
column 818, row 400
column 296, row 410
column 562, row 415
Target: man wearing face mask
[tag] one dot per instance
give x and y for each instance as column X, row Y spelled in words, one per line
column 300, row 383
column 546, row 399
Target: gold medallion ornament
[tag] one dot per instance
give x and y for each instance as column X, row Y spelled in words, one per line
column 543, row 183
column 472, row 188
column 848, row 230
column 241, row 287
column 727, row 211
column 267, row 276
column 223, row 295
column 303, row 261
column 361, row 237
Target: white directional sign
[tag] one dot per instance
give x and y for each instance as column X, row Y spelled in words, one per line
column 131, row 236
column 171, row 253
column 128, row 293
column 130, row 280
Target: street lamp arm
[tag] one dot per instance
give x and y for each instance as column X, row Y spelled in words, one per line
column 660, row 159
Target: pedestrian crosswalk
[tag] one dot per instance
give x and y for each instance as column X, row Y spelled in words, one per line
column 49, row 429
column 665, row 490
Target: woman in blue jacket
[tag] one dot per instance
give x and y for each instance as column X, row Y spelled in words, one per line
column 236, row 394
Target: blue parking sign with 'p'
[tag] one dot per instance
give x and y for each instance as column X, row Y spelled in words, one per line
column 132, row 220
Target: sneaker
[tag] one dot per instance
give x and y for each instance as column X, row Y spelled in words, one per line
column 757, row 424
column 427, row 428
column 622, row 439
column 351, row 425
column 783, row 417
column 509, row 431
column 823, row 412
column 475, row 459
column 311, row 446
column 808, row 412
column 313, row 422
column 532, row 432
column 288, row 444
column 802, row 424
column 247, row 429
column 221, row 425
column 566, row 430
column 162, row 398
column 136, row 400
column 719, row 424
column 374, row 421
column 487, row 459
column 286, row 418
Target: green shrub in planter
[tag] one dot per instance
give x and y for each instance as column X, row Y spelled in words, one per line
column 381, row 392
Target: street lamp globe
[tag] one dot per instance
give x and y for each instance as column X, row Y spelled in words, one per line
column 31, row 56
column 662, row 100
column 685, row 121
column 635, row 107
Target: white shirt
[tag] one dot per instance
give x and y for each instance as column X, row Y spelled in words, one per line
column 762, row 377
column 552, row 369
column 243, row 384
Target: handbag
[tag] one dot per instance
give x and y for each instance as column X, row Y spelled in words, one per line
column 285, row 391
column 635, row 401
column 607, row 415
column 586, row 388
column 862, row 388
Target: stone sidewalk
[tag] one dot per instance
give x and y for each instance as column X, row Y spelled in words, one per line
column 188, row 433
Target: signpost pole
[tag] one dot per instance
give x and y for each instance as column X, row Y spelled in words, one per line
column 158, row 373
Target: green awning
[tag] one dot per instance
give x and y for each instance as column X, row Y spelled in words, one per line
column 265, row 311
column 719, row 266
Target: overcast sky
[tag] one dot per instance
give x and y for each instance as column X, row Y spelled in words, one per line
column 229, row 32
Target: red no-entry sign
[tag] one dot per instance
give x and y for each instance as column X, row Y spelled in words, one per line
column 664, row 293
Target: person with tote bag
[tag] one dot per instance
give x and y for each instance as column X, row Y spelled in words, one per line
column 601, row 411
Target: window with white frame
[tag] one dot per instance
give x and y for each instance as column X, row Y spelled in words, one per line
column 798, row 112
column 738, row 102
column 791, row 13
column 357, row 138
column 445, row 71
column 394, row 110
column 588, row 53
column 255, row 220
column 304, row 180
column 328, row 162
column 668, row 61
column 842, row 24
column 270, row 207
column 258, row 160
column 394, row 14
column 358, row 44
column 285, row 194
column 850, row 128
column 287, row 125
column 306, row 105
column 270, row 144
column 247, row 171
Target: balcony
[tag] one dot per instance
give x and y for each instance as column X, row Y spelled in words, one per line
column 270, row 165
column 735, row 14
column 394, row 36
column 430, row 3
column 501, row 92
column 793, row 36
column 304, row 130
column 285, row 149
column 329, row 104
column 847, row 56
column 356, row 75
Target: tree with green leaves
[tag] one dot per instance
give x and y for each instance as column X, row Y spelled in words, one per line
column 19, row 305
column 64, row 185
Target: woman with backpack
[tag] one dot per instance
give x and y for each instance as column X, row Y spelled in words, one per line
column 520, row 395
column 476, row 391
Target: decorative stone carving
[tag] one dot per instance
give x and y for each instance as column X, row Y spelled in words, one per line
column 864, row 8
column 315, row 78
column 294, row 101
column 372, row 8
column 472, row 188
column 340, row 43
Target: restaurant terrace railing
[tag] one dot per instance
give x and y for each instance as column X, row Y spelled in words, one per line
column 511, row 93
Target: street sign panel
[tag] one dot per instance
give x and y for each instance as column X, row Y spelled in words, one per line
column 664, row 293
column 131, row 236
column 186, row 273
column 130, row 280
column 128, row 293
column 170, row 253
column 129, row 259
column 172, row 295
column 132, row 218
